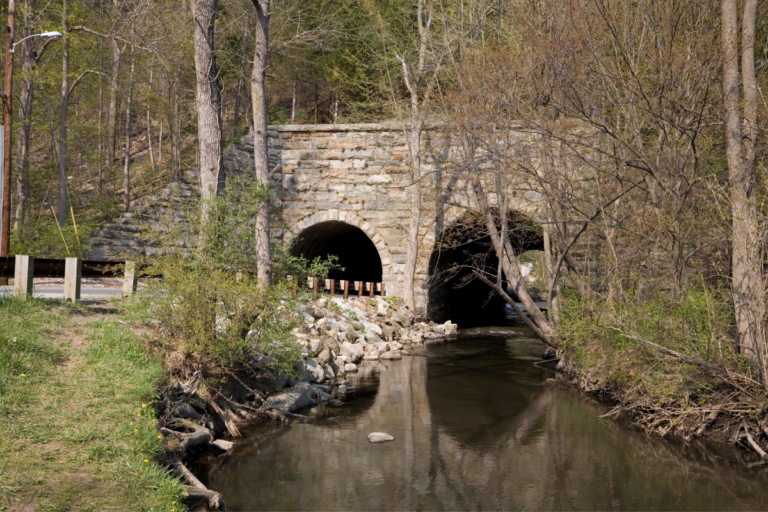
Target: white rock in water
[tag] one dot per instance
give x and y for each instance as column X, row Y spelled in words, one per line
column 380, row 437
column 224, row 445
column 350, row 367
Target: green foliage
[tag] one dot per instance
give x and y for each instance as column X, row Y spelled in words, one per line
column 609, row 341
column 209, row 301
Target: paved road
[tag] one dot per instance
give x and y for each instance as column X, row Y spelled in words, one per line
column 57, row 292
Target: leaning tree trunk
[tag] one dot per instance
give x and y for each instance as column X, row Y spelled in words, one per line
column 747, row 286
column 260, row 136
column 63, row 120
column 208, row 97
column 25, row 118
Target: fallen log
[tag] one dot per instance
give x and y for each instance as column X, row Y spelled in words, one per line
column 752, row 442
column 189, row 440
column 197, row 489
column 231, row 427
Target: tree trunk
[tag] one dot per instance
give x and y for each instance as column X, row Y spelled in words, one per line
column 112, row 115
column 208, row 97
column 748, row 288
column 25, row 118
column 260, row 139
column 63, row 119
column 127, row 164
column 414, row 222
column 503, row 246
column 238, row 94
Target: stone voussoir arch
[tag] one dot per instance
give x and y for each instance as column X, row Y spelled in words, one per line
column 351, row 218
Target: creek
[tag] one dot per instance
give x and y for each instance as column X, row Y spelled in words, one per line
column 477, row 426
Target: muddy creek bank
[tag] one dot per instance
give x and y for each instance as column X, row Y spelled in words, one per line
column 477, row 426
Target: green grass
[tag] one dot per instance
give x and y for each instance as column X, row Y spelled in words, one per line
column 77, row 432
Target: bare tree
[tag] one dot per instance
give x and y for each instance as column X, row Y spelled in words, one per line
column 748, row 284
column 260, row 137
column 208, row 94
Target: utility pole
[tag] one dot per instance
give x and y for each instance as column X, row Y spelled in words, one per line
column 5, row 228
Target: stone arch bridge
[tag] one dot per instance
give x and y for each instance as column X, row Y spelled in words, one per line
column 342, row 189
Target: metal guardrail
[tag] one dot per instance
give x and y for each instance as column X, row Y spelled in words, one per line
column 24, row 269
column 45, row 267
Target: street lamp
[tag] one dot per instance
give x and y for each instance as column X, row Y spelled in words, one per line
column 6, row 162
column 55, row 35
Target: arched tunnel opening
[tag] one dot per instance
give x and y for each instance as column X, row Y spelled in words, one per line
column 357, row 255
column 454, row 293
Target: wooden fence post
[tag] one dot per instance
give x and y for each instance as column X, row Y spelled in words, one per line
column 346, row 289
column 333, row 287
column 382, row 290
column 130, row 279
column 314, row 284
column 373, row 290
column 73, row 271
column 23, row 276
column 360, row 289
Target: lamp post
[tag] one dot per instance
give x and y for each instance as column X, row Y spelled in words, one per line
column 5, row 171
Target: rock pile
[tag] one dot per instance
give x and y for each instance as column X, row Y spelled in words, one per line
column 339, row 335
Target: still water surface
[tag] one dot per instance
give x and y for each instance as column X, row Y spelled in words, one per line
column 476, row 428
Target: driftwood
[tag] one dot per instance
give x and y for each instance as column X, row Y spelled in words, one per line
column 198, row 490
column 191, row 387
column 198, row 437
column 257, row 394
column 707, row 422
column 753, row 443
column 231, row 427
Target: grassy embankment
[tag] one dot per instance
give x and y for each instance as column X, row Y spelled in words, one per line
column 669, row 363
column 77, row 433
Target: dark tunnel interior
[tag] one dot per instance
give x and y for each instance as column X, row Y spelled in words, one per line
column 453, row 292
column 356, row 252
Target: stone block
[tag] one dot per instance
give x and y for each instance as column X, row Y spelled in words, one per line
column 340, row 164
column 334, row 173
column 360, row 191
column 378, row 179
column 332, row 154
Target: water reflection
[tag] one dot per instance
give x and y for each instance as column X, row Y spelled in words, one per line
column 475, row 429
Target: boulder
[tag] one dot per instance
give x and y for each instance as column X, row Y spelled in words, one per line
column 354, row 353
column 315, row 346
column 371, row 355
column 370, row 327
column 291, row 401
column 382, row 346
column 388, row 331
column 311, row 371
column 329, row 373
column 450, row 328
column 391, row 355
column 380, row 437
column 224, row 445
column 323, row 357
column 350, row 368
column 373, row 338
column 282, row 381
